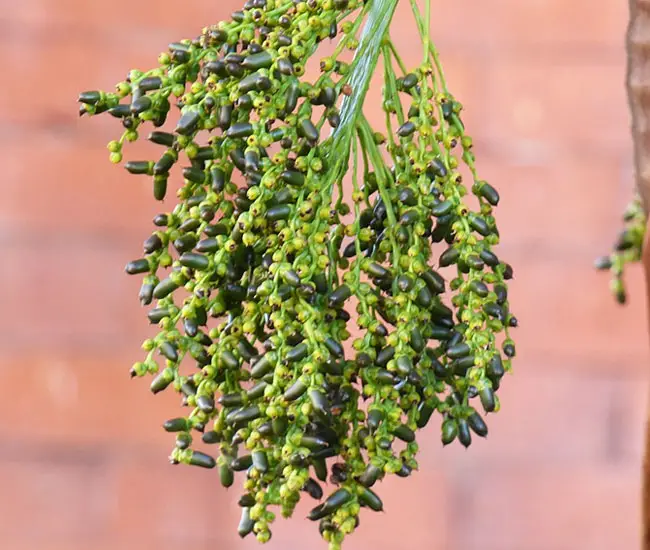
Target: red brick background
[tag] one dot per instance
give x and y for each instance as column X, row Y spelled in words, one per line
column 82, row 455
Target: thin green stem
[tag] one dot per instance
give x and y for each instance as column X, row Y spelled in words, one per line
column 397, row 57
column 427, row 41
column 368, row 143
column 355, row 189
column 391, row 82
column 436, row 60
column 423, row 29
column 363, row 66
column 390, row 92
column 355, row 27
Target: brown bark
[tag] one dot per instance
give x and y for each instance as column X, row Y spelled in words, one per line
column 638, row 89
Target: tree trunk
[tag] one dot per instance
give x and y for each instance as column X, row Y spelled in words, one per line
column 638, row 89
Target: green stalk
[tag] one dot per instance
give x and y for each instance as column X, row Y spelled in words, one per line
column 423, row 28
column 368, row 143
column 363, row 66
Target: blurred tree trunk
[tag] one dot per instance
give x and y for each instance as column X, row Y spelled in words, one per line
column 638, row 88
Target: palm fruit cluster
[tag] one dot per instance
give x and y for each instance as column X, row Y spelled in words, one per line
column 321, row 287
column 626, row 250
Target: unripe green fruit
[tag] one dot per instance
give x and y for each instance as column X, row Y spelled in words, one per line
column 263, row 263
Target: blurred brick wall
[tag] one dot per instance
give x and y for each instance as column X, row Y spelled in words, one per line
column 82, row 456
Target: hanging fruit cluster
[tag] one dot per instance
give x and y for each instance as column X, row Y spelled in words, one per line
column 312, row 327
column 627, row 248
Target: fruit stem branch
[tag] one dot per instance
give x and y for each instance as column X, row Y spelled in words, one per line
column 363, row 66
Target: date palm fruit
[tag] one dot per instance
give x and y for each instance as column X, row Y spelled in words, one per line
column 264, row 264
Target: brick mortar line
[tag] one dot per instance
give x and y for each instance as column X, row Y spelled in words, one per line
column 17, row 28
column 109, row 240
column 92, row 455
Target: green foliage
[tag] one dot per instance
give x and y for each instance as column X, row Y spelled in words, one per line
column 312, row 331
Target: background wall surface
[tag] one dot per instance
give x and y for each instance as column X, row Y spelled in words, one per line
column 83, row 460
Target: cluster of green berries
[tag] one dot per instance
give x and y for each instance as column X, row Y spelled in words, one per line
column 627, row 248
column 311, row 330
